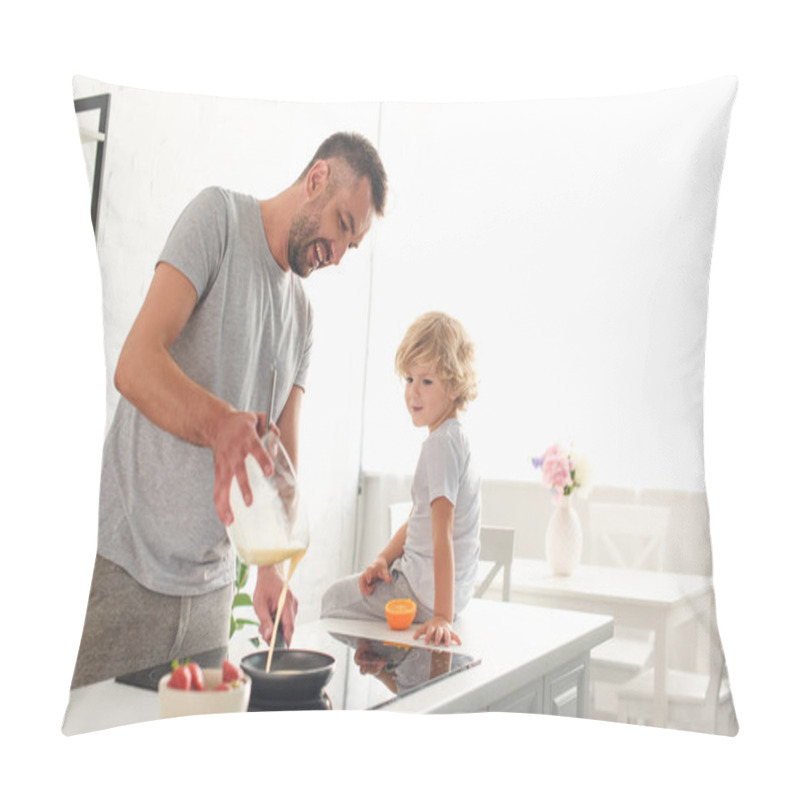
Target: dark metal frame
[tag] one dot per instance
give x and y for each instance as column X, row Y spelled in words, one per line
column 102, row 102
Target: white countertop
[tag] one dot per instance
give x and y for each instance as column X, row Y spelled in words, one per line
column 516, row 644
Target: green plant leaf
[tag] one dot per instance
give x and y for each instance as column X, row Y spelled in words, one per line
column 242, row 571
column 242, row 599
column 240, row 623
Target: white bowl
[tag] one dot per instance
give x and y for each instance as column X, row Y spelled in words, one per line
column 186, row 702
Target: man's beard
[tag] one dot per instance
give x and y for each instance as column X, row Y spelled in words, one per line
column 304, row 229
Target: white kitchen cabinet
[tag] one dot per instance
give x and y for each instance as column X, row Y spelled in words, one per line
column 527, row 700
column 566, row 691
column 562, row 693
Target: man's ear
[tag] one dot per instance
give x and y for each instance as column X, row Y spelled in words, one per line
column 317, row 178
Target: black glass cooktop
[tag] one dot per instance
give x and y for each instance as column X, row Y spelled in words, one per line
column 368, row 674
column 148, row 678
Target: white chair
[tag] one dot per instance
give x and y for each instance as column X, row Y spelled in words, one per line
column 497, row 545
column 695, row 701
column 629, row 536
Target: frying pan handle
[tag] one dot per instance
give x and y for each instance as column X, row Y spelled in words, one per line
column 280, row 640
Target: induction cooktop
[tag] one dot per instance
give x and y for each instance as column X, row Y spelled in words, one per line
column 368, row 674
column 371, row 673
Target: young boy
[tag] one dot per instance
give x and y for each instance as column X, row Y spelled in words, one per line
column 433, row 557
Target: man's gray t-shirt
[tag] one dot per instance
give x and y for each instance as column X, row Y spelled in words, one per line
column 157, row 517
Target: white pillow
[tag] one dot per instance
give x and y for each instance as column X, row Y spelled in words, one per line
column 572, row 237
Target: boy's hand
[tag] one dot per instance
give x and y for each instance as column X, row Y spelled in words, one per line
column 378, row 570
column 437, row 630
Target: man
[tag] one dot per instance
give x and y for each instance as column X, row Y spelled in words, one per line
column 226, row 305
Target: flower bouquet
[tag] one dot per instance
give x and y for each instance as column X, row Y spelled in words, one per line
column 563, row 472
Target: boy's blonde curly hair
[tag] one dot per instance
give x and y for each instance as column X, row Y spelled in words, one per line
column 438, row 341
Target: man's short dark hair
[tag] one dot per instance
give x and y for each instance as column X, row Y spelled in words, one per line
column 361, row 157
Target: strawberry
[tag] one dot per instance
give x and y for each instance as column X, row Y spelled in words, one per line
column 223, row 687
column 181, row 677
column 198, row 682
column 230, row 672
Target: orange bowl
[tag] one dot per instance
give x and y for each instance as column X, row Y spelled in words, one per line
column 400, row 613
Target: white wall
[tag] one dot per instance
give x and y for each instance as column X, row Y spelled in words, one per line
column 572, row 240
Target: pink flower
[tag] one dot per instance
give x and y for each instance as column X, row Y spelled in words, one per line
column 563, row 471
column 556, row 469
column 553, row 450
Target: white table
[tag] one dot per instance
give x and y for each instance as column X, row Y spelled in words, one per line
column 531, row 659
column 655, row 601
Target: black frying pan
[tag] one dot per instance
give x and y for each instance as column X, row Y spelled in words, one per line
column 295, row 675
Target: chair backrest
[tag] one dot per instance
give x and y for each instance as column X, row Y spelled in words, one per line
column 628, row 535
column 497, row 545
column 398, row 514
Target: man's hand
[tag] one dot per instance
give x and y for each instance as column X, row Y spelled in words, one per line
column 237, row 436
column 378, row 570
column 269, row 584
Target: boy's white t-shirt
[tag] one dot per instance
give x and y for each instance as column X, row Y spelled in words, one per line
column 444, row 469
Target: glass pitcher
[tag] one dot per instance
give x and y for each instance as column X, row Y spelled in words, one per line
column 274, row 527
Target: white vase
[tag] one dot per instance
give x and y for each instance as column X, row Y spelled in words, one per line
column 563, row 539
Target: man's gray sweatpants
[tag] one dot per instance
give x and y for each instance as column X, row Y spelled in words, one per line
column 129, row 627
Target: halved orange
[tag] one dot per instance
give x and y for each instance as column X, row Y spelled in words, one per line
column 400, row 613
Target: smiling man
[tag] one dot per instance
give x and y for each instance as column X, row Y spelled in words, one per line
column 320, row 234
column 225, row 306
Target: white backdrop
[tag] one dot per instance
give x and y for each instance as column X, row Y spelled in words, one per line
column 53, row 404
column 570, row 239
